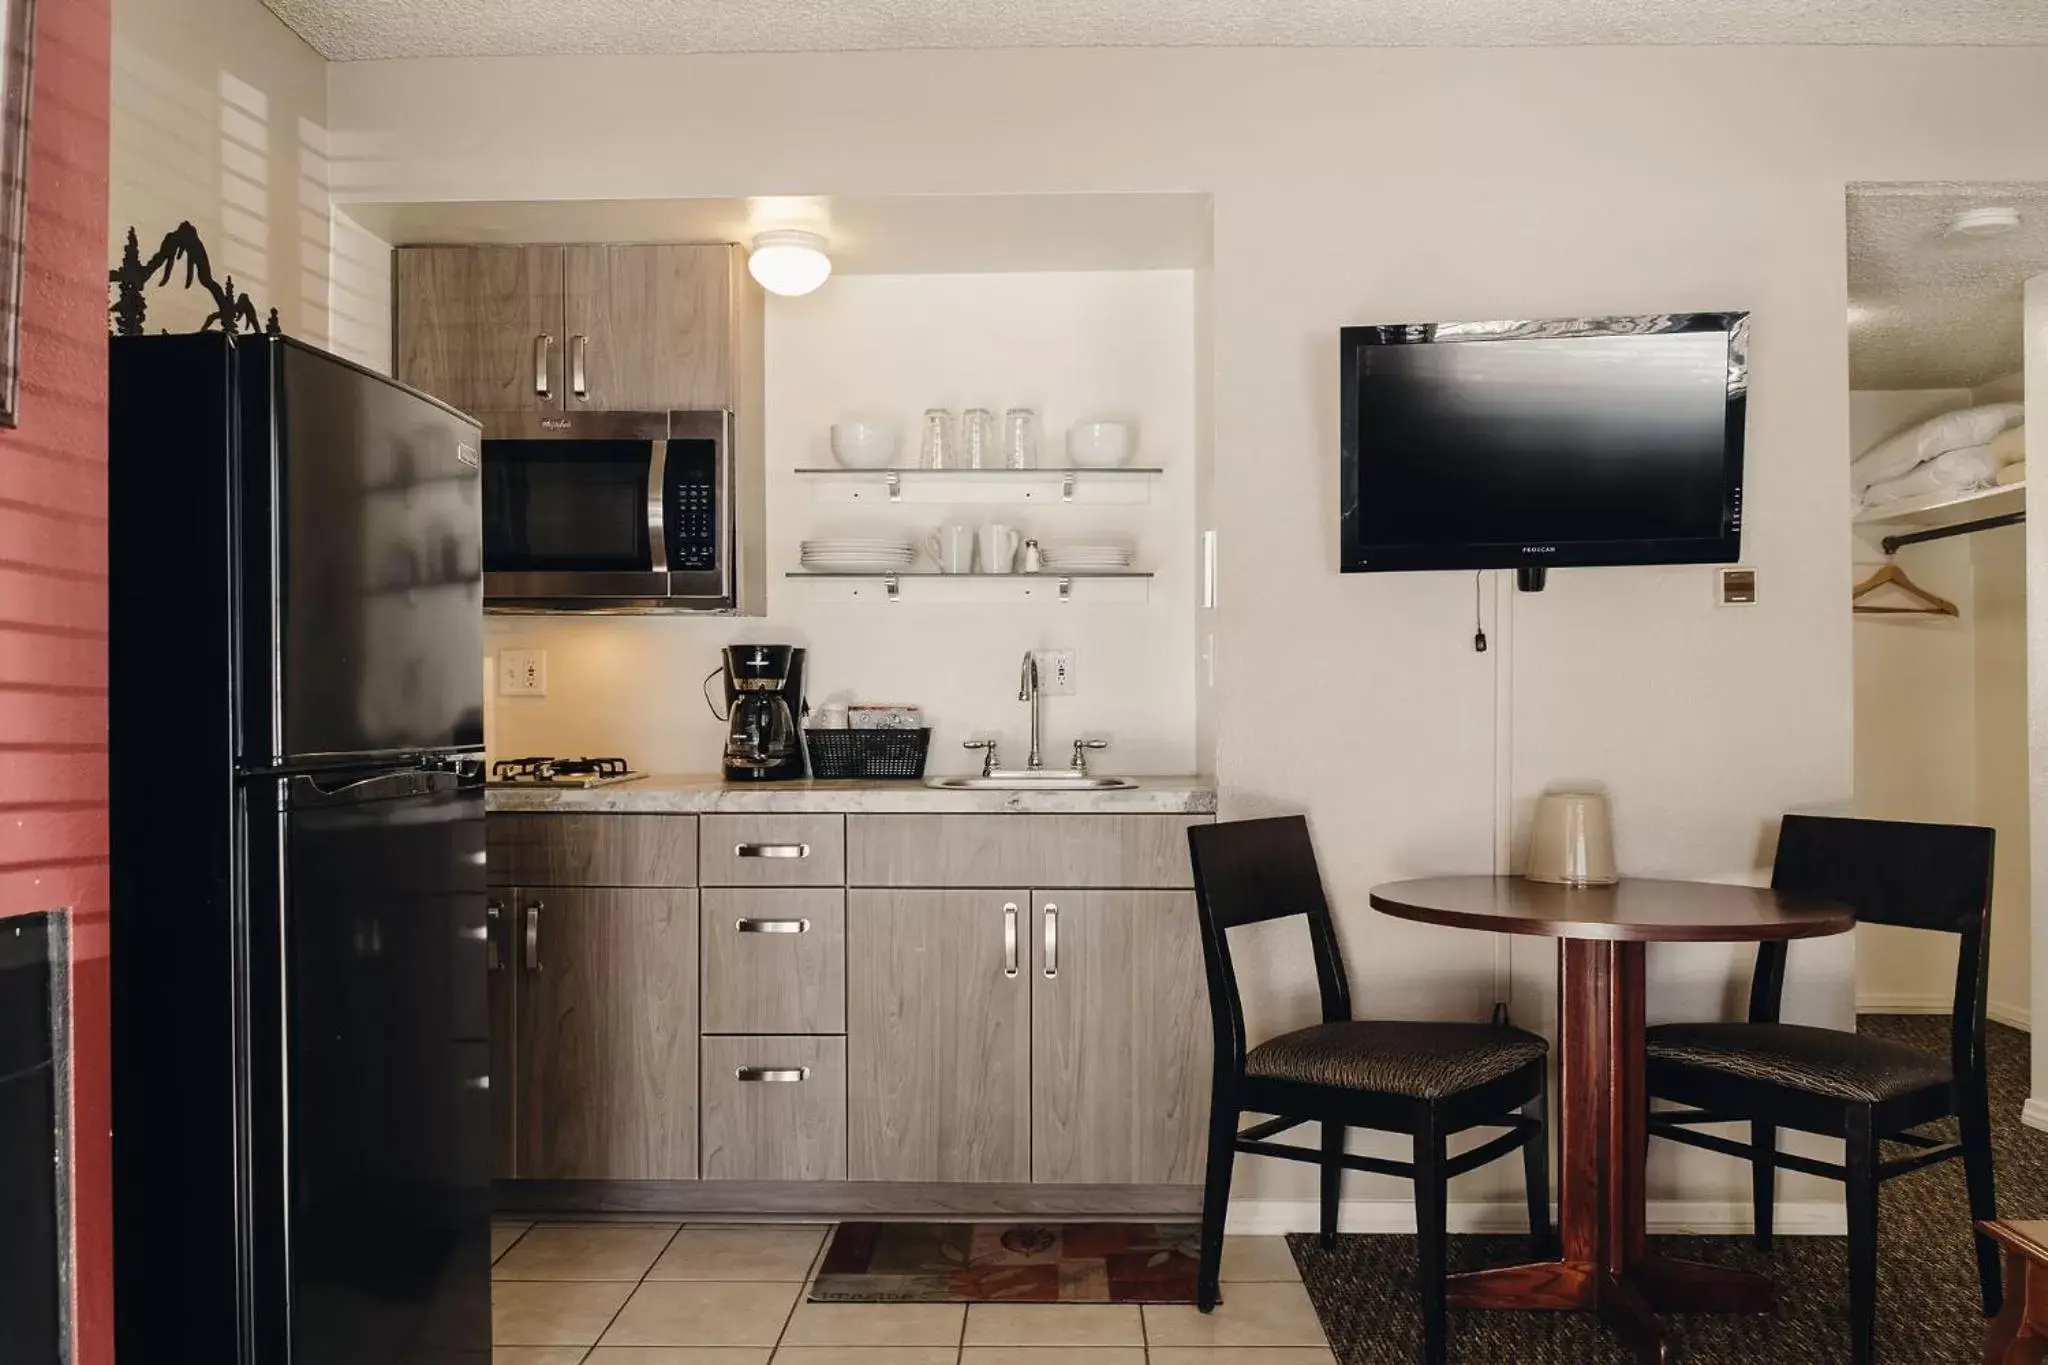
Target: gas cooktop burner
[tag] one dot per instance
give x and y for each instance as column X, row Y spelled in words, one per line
column 561, row 772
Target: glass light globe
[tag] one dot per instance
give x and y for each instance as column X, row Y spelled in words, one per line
column 789, row 262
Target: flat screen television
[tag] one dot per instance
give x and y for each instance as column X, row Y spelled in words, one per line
column 1536, row 445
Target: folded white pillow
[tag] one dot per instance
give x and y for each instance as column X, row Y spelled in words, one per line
column 2010, row 446
column 1953, row 470
column 1915, row 446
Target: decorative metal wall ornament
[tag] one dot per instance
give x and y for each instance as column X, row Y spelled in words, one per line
column 232, row 313
column 17, row 72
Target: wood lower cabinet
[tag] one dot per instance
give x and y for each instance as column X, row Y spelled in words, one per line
column 606, row 1077
column 774, row 1108
column 938, row 1036
column 1120, row 1038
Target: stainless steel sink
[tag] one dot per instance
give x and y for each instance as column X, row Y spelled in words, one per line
column 1031, row 782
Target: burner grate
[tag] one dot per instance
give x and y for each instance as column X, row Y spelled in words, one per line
column 545, row 771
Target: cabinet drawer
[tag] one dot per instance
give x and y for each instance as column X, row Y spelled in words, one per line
column 774, row 850
column 1138, row 851
column 775, row 961
column 774, row 1108
column 592, row 850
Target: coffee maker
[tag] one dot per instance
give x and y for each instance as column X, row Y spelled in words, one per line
column 764, row 698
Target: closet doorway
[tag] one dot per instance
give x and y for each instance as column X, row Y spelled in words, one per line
column 1940, row 315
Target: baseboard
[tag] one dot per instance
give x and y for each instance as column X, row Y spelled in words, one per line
column 1795, row 1218
column 2034, row 1113
column 2021, row 1019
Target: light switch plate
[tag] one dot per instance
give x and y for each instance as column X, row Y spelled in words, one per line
column 1735, row 586
column 522, row 673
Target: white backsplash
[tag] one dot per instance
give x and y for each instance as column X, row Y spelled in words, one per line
column 1072, row 346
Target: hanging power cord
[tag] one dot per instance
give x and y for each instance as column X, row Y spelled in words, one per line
column 1478, row 612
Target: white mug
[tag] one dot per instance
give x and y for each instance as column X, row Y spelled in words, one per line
column 999, row 548
column 952, row 549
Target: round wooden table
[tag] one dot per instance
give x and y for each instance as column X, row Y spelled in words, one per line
column 1601, row 1108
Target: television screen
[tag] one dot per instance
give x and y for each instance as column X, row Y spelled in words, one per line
column 1532, row 444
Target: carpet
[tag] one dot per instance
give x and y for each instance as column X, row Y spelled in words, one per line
column 1009, row 1263
column 1928, row 1311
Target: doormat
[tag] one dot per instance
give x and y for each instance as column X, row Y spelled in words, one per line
column 1009, row 1263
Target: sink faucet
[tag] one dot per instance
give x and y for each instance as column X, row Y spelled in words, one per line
column 1028, row 690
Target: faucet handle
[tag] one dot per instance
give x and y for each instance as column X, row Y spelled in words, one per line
column 1081, row 747
column 988, row 757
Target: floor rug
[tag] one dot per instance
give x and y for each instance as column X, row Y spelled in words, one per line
column 1009, row 1263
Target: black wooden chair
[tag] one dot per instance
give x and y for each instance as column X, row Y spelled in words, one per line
column 1428, row 1080
column 1864, row 1090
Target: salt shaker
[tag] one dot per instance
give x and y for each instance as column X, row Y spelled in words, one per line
column 1034, row 558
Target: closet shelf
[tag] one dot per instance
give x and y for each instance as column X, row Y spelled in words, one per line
column 1947, row 509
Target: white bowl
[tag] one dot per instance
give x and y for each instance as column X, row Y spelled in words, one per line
column 863, row 445
column 1099, row 445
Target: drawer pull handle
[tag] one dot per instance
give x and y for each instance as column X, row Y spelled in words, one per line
column 775, row 1074
column 772, row 926
column 1010, row 940
column 1052, row 941
column 771, row 850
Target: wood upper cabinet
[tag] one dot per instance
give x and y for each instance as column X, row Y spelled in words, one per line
column 480, row 327
column 606, row 1082
column 1120, row 1038
column 649, row 328
column 505, row 329
column 938, row 1036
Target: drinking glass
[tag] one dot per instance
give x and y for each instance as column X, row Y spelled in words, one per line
column 1020, row 439
column 939, row 451
column 978, row 439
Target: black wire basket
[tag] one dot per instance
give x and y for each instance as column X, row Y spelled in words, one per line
column 874, row 754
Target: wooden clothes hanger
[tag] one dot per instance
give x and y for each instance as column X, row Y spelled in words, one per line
column 1932, row 603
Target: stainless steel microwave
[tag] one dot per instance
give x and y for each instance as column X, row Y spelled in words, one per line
column 617, row 512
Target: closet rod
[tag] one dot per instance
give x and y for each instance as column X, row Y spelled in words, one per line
column 1892, row 544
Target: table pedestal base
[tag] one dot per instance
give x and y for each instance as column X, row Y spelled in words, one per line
column 1606, row 1267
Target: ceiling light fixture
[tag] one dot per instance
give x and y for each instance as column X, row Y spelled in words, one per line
column 786, row 261
column 1986, row 222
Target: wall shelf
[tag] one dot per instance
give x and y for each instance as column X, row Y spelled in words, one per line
column 1121, row 486
column 1948, row 508
column 926, row 585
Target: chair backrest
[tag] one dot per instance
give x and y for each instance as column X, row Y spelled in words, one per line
column 1249, row 872
column 1915, row 876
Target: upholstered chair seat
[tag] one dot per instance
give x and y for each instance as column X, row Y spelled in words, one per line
column 1422, row 1061
column 1819, row 1061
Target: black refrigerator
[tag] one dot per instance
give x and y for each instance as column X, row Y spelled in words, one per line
column 301, row 1064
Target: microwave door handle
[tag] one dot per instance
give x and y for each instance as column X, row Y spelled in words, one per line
column 657, row 497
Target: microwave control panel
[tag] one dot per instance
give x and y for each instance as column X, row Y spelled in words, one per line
column 691, row 518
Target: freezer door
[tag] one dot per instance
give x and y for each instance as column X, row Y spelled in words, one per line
column 376, row 630
column 388, row 1069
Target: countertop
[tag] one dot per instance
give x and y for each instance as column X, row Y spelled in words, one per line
column 707, row 793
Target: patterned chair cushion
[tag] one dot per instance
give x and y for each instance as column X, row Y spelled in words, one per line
column 1819, row 1061
column 1423, row 1061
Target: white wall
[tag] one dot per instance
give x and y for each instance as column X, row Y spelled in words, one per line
column 1373, row 186
column 219, row 117
column 1070, row 346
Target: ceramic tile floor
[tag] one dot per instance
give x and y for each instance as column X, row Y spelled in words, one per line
column 663, row 1293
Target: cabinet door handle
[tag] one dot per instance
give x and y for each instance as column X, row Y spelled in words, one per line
column 533, row 935
column 579, row 347
column 1010, row 940
column 772, row 926
column 784, row 1075
column 771, row 850
column 476, row 1082
column 1052, row 941
column 543, row 359
column 494, row 914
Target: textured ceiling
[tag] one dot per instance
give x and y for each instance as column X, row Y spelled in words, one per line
column 354, row 30
column 1932, row 311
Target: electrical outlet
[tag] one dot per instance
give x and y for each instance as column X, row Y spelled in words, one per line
column 522, row 673
column 1055, row 671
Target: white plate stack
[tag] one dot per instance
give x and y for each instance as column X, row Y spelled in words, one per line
column 858, row 555
column 1083, row 557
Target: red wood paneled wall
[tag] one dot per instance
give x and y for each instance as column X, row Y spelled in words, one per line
column 53, row 593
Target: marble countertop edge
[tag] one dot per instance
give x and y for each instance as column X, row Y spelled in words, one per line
column 701, row 794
